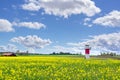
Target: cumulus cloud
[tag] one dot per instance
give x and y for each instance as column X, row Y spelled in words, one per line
column 9, row 47
column 87, row 22
column 32, row 41
column 5, row 26
column 31, row 6
column 32, row 25
column 105, row 42
column 111, row 20
column 63, row 8
column 87, row 19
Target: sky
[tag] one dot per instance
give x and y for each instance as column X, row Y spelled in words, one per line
column 46, row 26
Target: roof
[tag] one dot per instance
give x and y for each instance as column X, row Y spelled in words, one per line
column 8, row 54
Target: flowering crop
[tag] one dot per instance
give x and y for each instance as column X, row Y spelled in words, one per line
column 58, row 68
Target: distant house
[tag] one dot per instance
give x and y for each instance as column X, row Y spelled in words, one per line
column 8, row 54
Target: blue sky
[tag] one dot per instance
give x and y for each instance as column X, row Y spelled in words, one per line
column 46, row 26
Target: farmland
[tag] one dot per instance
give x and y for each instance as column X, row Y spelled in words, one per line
column 58, row 68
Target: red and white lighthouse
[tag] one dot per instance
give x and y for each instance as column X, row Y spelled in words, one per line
column 87, row 51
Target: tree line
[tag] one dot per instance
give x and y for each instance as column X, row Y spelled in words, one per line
column 108, row 54
column 64, row 53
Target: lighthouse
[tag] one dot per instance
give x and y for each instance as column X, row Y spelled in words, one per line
column 87, row 51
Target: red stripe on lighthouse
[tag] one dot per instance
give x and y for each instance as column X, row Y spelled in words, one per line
column 87, row 51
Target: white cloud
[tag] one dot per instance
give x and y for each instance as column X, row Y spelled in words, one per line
column 72, row 49
column 9, row 47
column 32, row 41
column 31, row 7
column 105, row 42
column 75, row 44
column 87, row 22
column 32, row 25
column 63, row 8
column 112, row 19
column 31, row 50
column 5, row 26
column 87, row 19
column 66, row 49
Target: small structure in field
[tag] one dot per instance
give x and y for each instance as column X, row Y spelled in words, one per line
column 87, row 51
column 8, row 54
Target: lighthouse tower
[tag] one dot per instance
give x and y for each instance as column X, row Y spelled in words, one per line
column 87, row 51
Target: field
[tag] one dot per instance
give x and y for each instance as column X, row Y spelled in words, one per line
column 58, row 68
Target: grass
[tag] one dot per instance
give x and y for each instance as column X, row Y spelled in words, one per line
column 58, row 68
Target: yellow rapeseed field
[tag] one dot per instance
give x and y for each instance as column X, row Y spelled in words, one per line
column 58, row 68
